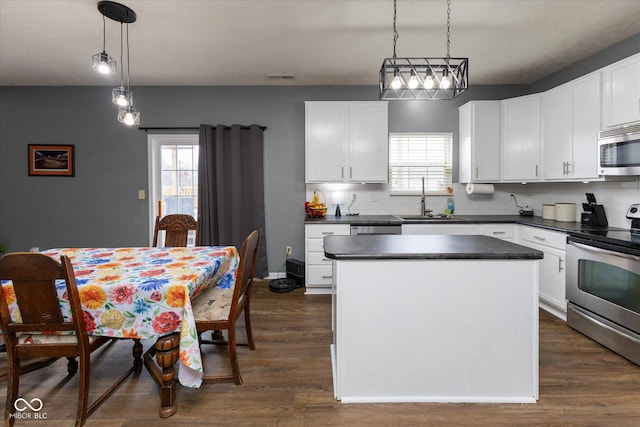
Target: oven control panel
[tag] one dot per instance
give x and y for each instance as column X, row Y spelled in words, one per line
column 634, row 211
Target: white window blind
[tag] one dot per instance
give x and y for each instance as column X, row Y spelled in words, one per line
column 416, row 155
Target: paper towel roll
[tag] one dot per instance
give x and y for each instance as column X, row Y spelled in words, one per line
column 479, row 188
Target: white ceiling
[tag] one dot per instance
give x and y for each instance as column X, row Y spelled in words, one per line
column 321, row 42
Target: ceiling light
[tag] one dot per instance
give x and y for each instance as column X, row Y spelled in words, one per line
column 122, row 96
column 441, row 78
column 102, row 62
column 129, row 116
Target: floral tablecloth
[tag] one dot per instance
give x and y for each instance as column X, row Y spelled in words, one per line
column 146, row 292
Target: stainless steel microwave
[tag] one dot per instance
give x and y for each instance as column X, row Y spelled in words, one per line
column 619, row 151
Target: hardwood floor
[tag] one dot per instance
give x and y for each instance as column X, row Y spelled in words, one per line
column 287, row 382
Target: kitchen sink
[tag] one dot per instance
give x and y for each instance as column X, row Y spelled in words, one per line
column 434, row 218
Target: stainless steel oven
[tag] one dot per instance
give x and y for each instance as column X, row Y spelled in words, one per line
column 603, row 289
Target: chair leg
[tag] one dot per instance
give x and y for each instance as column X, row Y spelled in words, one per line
column 83, row 390
column 233, row 355
column 12, row 390
column 247, row 325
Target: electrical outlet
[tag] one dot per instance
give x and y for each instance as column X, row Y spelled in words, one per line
column 289, row 249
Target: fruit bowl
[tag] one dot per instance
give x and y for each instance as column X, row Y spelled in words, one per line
column 316, row 211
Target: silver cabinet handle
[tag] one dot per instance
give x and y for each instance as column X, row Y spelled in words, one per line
column 327, row 277
column 498, row 232
column 350, row 172
column 560, row 267
column 327, row 232
column 536, row 171
column 342, row 172
column 539, row 238
column 476, row 171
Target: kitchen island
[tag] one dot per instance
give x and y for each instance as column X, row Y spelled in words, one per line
column 434, row 319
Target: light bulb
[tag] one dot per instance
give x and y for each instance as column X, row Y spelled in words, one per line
column 396, row 83
column 128, row 119
column 429, row 83
column 122, row 101
column 413, row 81
column 104, row 68
column 445, row 82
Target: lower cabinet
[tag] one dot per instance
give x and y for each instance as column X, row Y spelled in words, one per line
column 318, row 271
column 552, row 267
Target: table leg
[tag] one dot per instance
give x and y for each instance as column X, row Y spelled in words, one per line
column 166, row 351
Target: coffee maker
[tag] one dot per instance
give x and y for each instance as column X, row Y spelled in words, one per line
column 593, row 212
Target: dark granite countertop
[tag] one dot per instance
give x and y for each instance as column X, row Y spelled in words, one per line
column 424, row 247
column 534, row 221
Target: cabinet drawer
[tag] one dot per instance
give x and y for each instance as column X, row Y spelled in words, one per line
column 319, row 231
column 318, row 258
column 315, row 245
column 319, row 274
column 500, row 231
column 553, row 239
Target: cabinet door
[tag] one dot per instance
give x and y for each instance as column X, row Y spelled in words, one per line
column 586, row 124
column 551, row 273
column 368, row 142
column 479, row 136
column 521, row 138
column 621, row 92
column 325, row 134
column 557, row 139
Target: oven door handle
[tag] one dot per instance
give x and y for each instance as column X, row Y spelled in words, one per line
column 590, row 248
column 581, row 312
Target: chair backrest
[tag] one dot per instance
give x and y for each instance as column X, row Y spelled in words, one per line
column 176, row 229
column 33, row 276
column 244, row 278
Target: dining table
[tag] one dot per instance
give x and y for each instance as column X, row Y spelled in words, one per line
column 146, row 293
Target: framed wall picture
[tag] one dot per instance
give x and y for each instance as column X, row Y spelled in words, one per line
column 51, row 160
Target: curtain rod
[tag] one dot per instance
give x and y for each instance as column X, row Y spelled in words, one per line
column 145, row 128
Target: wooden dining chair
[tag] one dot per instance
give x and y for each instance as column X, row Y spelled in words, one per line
column 176, row 229
column 38, row 329
column 219, row 309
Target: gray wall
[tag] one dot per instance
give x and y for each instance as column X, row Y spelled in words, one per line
column 100, row 206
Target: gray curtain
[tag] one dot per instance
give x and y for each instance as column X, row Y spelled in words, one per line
column 231, row 187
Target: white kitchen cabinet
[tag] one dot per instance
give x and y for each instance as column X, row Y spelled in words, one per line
column 551, row 268
column 346, row 142
column 479, row 141
column 520, row 138
column 440, row 228
column 318, row 271
column 499, row 231
column 571, row 121
column 621, row 92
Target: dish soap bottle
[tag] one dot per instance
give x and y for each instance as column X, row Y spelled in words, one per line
column 450, row 206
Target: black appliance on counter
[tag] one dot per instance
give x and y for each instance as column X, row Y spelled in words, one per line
column 593, row 212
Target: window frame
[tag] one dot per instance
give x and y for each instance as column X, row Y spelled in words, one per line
column 446, row 191
column 154, row 145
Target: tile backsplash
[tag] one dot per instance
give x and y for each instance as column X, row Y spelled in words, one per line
column 374, row 199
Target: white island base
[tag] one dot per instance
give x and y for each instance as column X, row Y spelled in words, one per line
column 435, row 330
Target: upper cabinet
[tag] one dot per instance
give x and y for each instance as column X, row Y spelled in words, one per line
column 346, row 142
column 521, row 138
column 571, row 121
column 479, row 141
column 621, row 92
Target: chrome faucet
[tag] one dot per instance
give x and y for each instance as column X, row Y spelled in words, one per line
column 423, row 205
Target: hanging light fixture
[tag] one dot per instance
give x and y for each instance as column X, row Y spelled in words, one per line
column 102, row 62
column 122, row 96
column 423, row 78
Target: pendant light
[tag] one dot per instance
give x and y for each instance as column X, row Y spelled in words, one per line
column 423, row 78
column 102, row 62
column 127, row 114
column 122, row 96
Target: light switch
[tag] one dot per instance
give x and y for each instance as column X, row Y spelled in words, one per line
column 141, row 194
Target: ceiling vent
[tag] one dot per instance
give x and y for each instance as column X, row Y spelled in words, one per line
column 281, row 77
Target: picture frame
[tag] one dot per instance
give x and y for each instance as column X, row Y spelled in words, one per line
column 51, row 160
